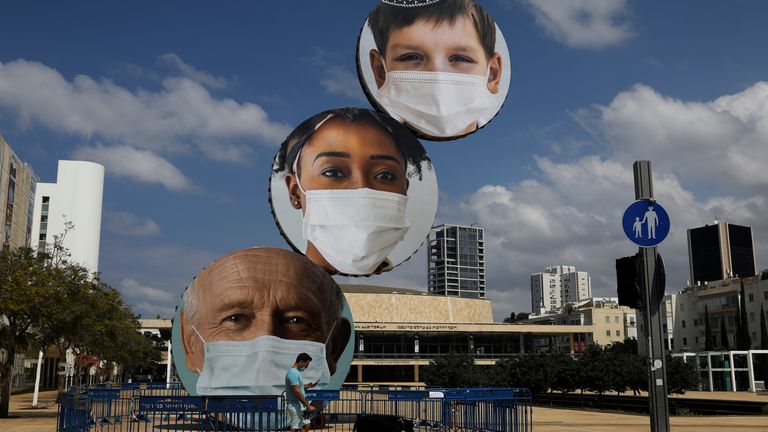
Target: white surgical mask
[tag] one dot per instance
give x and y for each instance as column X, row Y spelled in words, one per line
column 258, row 366
column 353, row 229
column 439, row 104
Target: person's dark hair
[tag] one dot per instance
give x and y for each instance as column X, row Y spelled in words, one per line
column 387, row 18
column 303, row 357
column 407, row 144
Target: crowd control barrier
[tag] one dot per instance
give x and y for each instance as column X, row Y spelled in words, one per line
column 160, row 407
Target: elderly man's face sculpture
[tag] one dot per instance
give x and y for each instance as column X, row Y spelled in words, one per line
column 259, row 292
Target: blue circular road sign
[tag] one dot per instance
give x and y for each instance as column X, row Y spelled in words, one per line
column 645, row 223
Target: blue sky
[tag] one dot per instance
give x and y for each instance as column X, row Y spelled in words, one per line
column 186, row 102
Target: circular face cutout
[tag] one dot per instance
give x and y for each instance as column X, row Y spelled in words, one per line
column 244, row 319
column 442, row 69
column 354, row 191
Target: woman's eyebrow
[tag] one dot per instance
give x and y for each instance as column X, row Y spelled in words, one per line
column 384, row 157
column 337, row 154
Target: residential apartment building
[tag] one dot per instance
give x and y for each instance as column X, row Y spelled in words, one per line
column 608, row 322
column 558, row 286
column 456, row 264
column 721, row 300
column 17, row 194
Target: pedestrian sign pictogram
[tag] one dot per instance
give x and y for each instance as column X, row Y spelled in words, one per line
column 646, row 223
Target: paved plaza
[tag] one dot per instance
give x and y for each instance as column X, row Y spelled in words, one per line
column 43, row 419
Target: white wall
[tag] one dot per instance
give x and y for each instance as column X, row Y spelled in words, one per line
column 76, row 195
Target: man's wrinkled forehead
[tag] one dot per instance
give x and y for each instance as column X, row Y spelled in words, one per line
column 261, row 269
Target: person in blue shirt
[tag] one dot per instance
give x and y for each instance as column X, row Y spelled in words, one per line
column 295, row 395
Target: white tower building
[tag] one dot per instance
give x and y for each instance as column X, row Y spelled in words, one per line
column 75, row 197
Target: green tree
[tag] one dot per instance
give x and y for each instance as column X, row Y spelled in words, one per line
column 516, row 317
column 763, row 330
column 708, row 345
column 681, row 376
column 724, row 344
column 761, row 362
column 452, row 370
column 599, row 373
column 743, row 340
column 25, row 295
column 565, row 373
column 510, row 319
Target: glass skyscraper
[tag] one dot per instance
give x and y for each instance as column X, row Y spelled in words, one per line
column 457, row 261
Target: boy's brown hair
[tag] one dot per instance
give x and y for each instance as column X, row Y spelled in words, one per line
column 387, row 18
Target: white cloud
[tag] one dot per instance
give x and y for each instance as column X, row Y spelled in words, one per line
column 571, row 215
column 189, row 71
column 139, row 165
column 584, row 23
column 339, row 80
column 334, row 78
column 127, row 224
column 133, row 289
column 724, row 141
column 177, row 118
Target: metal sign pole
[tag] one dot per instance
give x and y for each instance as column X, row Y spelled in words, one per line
column 654, row 339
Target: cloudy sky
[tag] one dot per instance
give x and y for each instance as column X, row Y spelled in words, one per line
column 184, row 103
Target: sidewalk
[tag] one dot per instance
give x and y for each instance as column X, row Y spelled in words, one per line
column 28, row 419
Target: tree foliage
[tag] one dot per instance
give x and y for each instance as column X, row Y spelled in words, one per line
column 708, row 344
column 617, row 367
column 46, row 300
column 454, row 371
column 515, row 317
column 681, row 375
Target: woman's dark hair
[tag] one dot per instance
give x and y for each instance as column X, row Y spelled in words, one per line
column 407, row 144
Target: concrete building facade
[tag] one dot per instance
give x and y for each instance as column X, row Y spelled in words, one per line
column 607, row 322
column 456, row 265
column 18, row 186
column 558, row 286
column 721, row 300
column 75, row 198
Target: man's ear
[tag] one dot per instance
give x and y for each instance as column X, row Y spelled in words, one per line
column 338, row 343
column 193, row 346
column 377, row 65
column 494, row 75
column 294, row 193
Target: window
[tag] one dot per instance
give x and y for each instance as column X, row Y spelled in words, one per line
column 616, row 320
column 765, row 294
column 618, row 332
column 685, row 341
column 608, row 333
column 608, row 320
column 682, row 306
column 751, row 316
column 683, row 323
column 751, row 297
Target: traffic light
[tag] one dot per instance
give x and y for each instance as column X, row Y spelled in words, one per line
column 629, row 281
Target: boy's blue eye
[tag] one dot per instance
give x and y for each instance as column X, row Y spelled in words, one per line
column 461, row 58
column 410, row 57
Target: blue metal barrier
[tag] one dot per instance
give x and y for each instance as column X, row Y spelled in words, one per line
column 157, row 407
